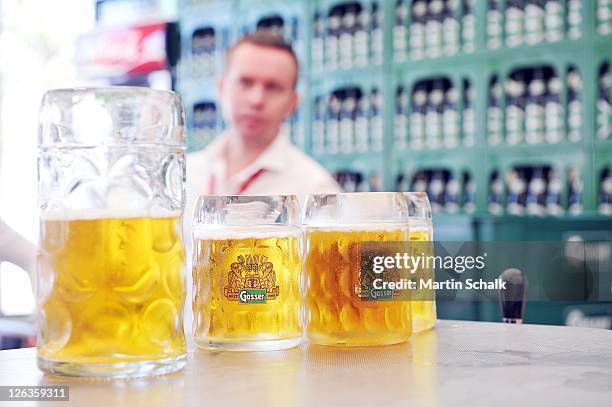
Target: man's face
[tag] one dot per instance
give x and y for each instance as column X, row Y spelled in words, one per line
column 257, row 91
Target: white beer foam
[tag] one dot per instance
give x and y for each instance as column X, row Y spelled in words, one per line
column 355, row 208
column 363, row 227
column 243, row 232
column 94, row 214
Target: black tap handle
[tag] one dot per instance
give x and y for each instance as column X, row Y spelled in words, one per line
column 514, row 296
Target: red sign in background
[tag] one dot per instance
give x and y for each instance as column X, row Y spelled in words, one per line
column 122, row 51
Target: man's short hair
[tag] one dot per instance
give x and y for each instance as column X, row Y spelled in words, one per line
column 265, row 38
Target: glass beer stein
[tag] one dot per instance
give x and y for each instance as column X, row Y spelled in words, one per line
column 247, row 268
column 336, row 227
column 421, row 234
column 111, row 283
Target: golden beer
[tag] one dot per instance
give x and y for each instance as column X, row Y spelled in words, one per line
column 424, row 304
column 112, row 291
column 421, row 236
column 247, row 291
column 336, row 314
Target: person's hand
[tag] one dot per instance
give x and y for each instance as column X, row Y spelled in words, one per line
column 16, row 249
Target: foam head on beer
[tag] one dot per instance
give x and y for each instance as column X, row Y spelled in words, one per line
column 245, row 213
column 355, row 209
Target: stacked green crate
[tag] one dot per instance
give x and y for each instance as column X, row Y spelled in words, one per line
column 540, row 172
column 348, row 80
column 511, row 38
column 438, row 140
column 602, row 146
column 207, row 30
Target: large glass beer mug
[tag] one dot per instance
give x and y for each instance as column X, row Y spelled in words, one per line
column 247, row 270
column 421, row 235
column 111, row 283
column 336, row 310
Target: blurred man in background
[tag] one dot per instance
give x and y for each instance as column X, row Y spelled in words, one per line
column 257, row 92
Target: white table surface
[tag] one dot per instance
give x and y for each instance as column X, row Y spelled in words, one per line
column 459, row 363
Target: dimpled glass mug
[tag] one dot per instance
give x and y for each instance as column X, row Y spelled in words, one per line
column 111, row 283
column 337, row 311
column 247, row 271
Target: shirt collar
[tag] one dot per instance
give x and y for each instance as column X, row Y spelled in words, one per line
column 271, row 159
